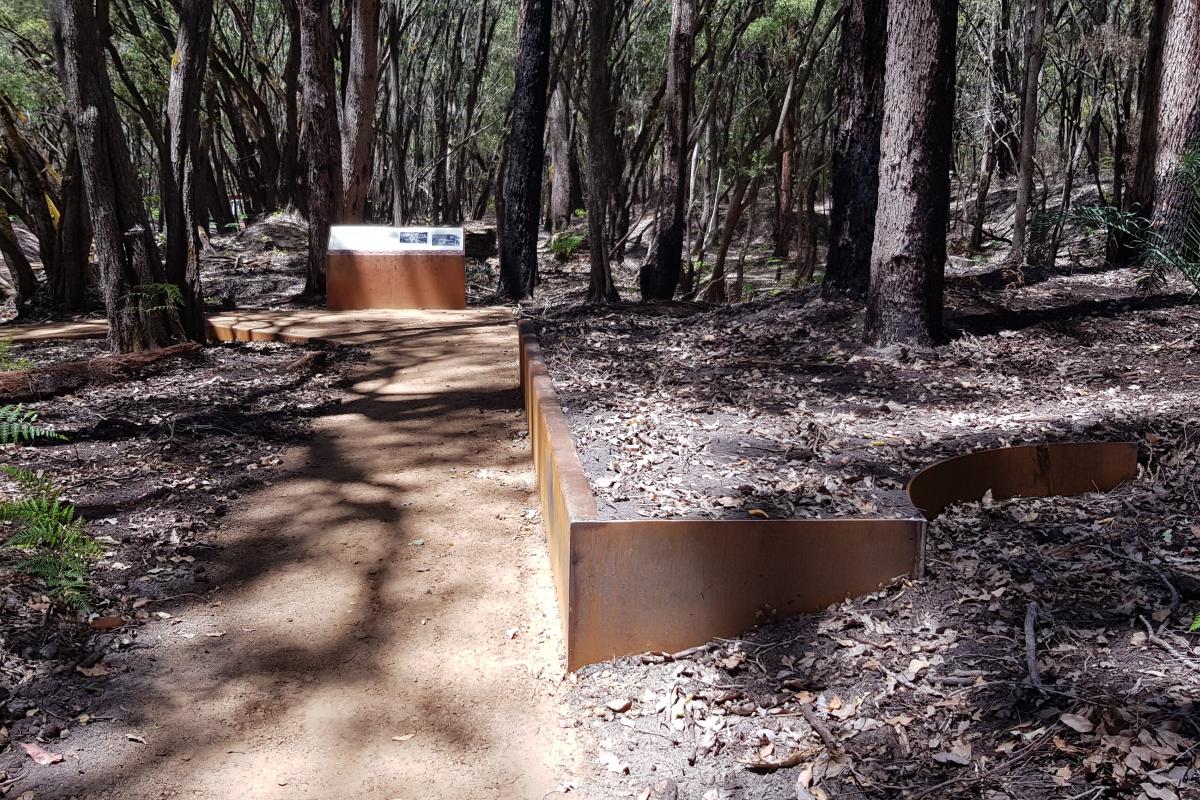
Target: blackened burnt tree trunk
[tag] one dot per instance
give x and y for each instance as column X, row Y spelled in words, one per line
column 904, row 303
column 602, row 149
column 660, row 276
column 321, row 137
column 358, row 109
column 527, row 150
column 854, row 183
column 183, row 141
column 140, row 316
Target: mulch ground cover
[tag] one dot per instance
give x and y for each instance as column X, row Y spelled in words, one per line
column 1046, row 652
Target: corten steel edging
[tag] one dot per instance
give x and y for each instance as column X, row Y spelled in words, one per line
column 1040, row 470
column 665, row 585
column 406, row 280
column 629, row 586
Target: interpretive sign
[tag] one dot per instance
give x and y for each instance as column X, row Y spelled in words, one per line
column 373, row 266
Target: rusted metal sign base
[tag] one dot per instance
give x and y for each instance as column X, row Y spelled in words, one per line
column 633, row 586
column 417, row 280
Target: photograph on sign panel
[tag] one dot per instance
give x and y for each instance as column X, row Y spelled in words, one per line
column 446, row 239
column 414, row 237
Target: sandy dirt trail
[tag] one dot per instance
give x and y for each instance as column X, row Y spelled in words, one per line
column 386, row 605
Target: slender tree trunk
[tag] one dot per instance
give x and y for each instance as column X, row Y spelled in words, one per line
column 559, row 138
column 287, row 189
column 139, row 313
column 183, row 140
column 322, row 140
column 602, row 158
column 358, row 110
column 904, row 303
column 660, row 277
column 1035, row 54
column 523, row 180
column 23, row 280
column 855, row 178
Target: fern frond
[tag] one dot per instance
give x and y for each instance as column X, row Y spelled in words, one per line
column 17, row 424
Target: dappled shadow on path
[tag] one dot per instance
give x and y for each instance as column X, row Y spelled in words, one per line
column 364, row 596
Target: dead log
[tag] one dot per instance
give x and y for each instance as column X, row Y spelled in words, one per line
column 40, row 383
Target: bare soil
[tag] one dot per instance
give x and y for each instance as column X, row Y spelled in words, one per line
column 335, row 588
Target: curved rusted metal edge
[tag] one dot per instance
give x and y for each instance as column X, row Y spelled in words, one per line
column 1036, row 470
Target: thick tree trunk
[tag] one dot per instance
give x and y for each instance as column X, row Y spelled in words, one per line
column 602, row 155
column 140, row 316
column 1034, row 56
column 854, row 183
column 183, row 140
column 358, row 110
column 904, row 304
column 526, row 142
column 322, row 141
column 1141, row 191
column 1178, row 130
column 660, row 277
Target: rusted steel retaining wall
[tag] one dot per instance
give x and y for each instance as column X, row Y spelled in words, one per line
column 631, row 586
column 1036, row 470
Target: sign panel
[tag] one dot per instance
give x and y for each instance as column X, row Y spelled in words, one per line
column 381, row 239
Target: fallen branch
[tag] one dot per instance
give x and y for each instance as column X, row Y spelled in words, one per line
column 1031, row 615
column 23, row 386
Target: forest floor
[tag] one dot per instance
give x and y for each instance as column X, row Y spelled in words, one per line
column 774, row 406
column 325, row 574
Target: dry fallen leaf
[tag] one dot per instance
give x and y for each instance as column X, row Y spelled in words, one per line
column 107, row 623
column 97, row 671
column 403, row 738
column 1077, row 723
column 40, row 756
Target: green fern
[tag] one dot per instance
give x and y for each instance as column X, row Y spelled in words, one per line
column 19, row 425
column 49, row 535
column 153, row 297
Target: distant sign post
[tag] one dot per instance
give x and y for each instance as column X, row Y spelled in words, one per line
column 378, row 267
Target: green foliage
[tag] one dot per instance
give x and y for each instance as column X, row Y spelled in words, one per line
column 10, row 362
column 1157, row 255
column 564, row 245
column 149, row 297
column 49, row 536
column 1195, row 626
column 19, row 425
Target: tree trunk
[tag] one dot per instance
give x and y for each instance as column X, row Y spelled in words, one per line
column 23, row 280
column 660, row 277
column 358, row 110
column 559, row 138
column 904, row 303
column 183, row 140
column 854, row 182
column 1174, row 201
column 602, row 156
column 526, row 141
column 322, row 140
column 140, row 316
column 1034, row 56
